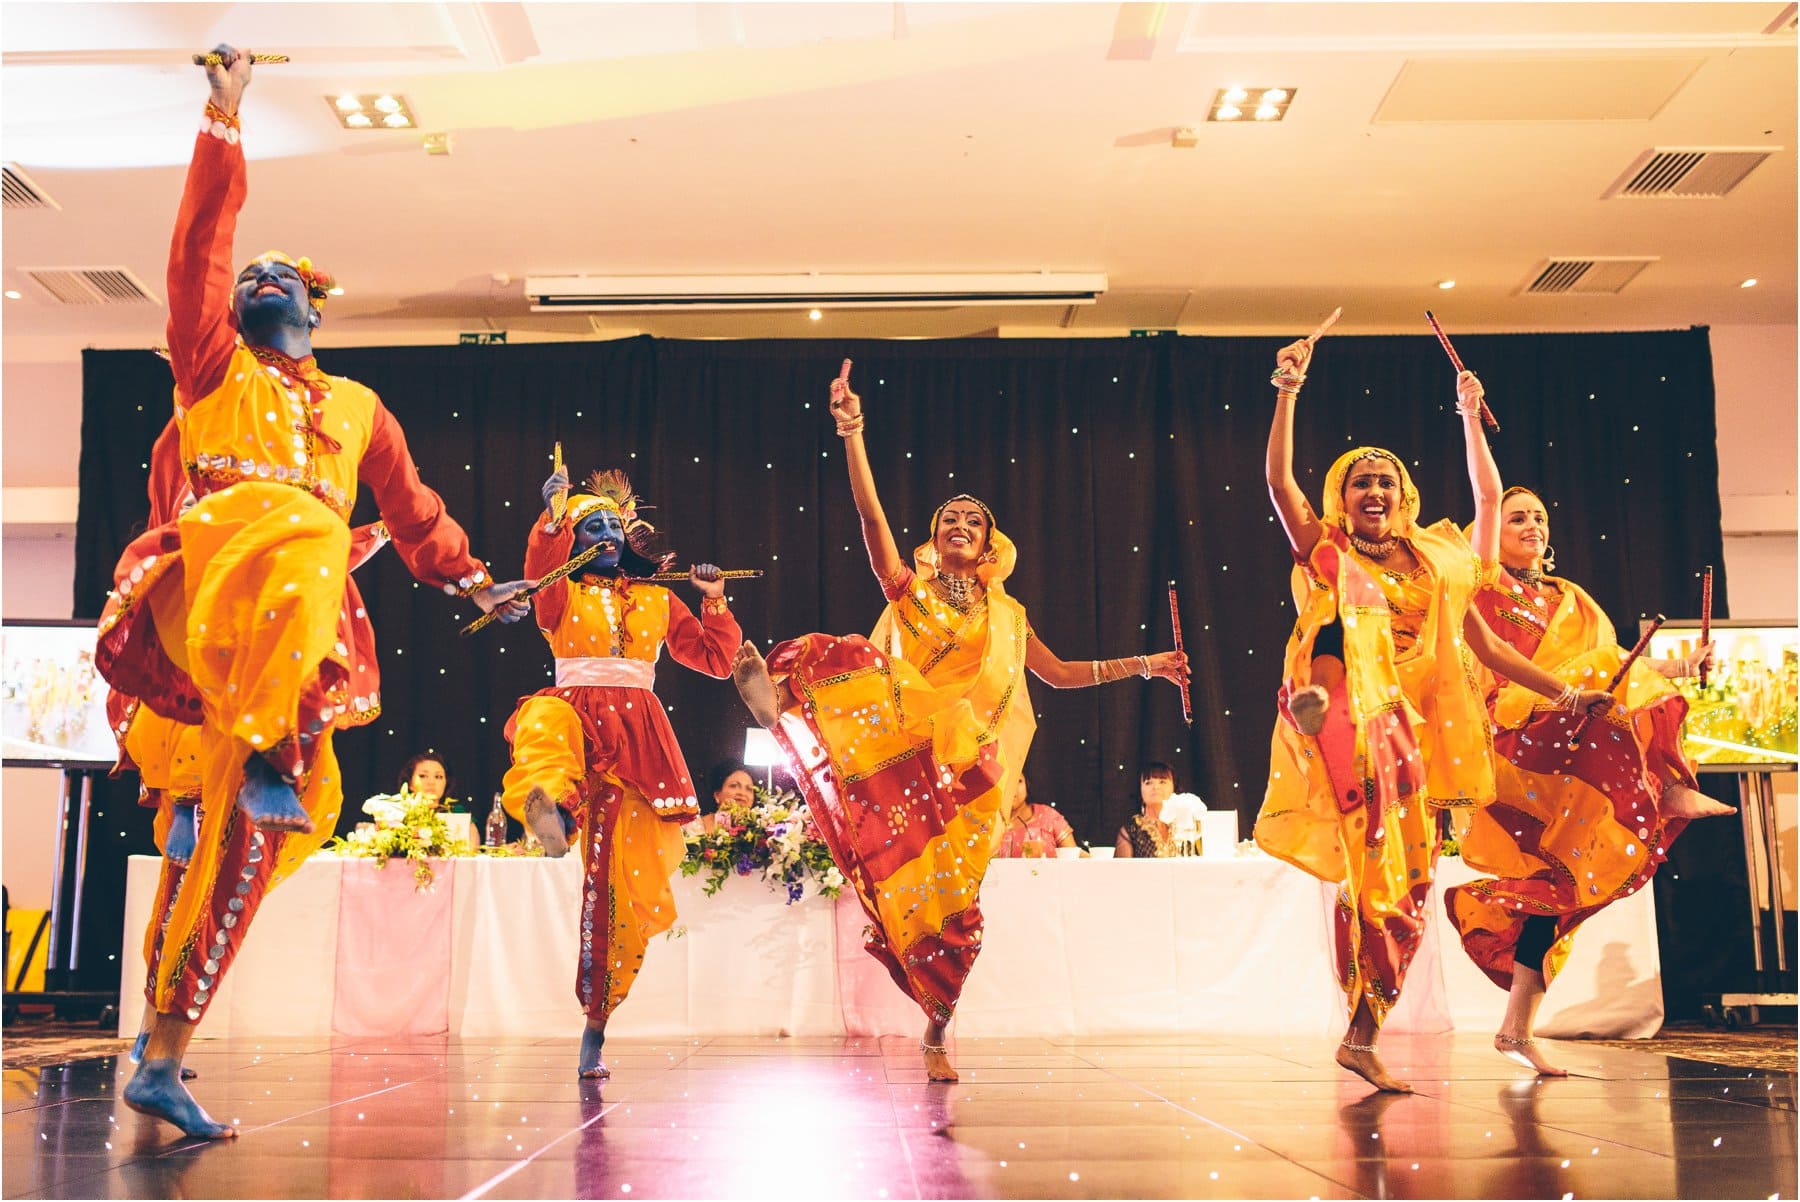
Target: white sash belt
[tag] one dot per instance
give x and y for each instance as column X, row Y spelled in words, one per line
column 606, row 670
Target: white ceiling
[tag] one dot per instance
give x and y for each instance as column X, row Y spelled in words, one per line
column 1425, row 141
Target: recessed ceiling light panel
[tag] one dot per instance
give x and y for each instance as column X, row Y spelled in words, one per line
column 1261, row 104
column 381, row 110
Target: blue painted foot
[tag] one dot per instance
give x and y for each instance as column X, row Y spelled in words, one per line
column 183, row 834
column 137, row 1055
column 156, row 1090
column 591, row 1064
column 546, row 821
column 269, row 801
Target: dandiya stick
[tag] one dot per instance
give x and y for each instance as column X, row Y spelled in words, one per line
column 1643, row 642
column 1487, row 415
column 1705, row 617
column 559, row 502
column 1325, row 325
column 1187, row 701
column 724, row 574
column 215, row 59
column 545, row 581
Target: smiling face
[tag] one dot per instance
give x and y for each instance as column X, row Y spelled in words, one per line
column 429, row 779
column 1524, row 531
column 738, row 790
column 269, row 295
column 961, row 535
column 605, row 527
column 1372, row 497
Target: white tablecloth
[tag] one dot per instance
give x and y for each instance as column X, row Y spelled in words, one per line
column 1071, row 947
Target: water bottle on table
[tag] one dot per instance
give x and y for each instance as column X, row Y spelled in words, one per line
column 495, row 834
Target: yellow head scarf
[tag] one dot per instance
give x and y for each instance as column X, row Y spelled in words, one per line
column 996, row 562
column 1331, row 512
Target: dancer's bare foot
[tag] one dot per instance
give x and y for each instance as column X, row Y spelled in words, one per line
column 545, row 821
column 1361, row 1060
column 937, row 1063
column 1679, row 801
column 755, row 686
column 1522, row 1050
column 269, row 801
column 1308, row 705
column 591, row 1067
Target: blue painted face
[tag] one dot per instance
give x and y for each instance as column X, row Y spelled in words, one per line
column 269, row 294
column 602, row 526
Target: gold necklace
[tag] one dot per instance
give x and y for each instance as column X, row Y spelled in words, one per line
column 1375, row 550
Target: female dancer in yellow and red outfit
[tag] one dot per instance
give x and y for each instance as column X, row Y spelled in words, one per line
column 1573, row 829
column 908, row 743
column 595, row 752
column 1381, row 718
column 253, row 629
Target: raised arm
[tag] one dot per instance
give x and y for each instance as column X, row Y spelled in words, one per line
column 1484, row 473
column 878, row 537
column 200, row 330
column 1080, row 674
column 1291, row 507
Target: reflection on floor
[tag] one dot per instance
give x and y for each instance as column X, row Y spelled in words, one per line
column 745, row 1117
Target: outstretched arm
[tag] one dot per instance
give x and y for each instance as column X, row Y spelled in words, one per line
column 1297, row 517
column 1081, row 674
column 1484, row 473
column 846, row 407
column 1502, row 658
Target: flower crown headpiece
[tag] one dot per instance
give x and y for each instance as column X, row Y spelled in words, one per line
column 611, row 489
column 319, row 282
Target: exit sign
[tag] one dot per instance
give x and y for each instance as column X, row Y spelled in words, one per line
column 481, row 338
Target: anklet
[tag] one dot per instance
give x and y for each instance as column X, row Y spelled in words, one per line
column 1515, row 1041
column 1357, row 1047
column 940, row 1049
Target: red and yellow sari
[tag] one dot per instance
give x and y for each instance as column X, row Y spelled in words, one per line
column 1405, row 736
column 1572, row 830
column 907, row 745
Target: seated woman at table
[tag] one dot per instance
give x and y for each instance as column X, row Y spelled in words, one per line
column 730, row 784
column 425, row 775
column 1145, row 835
column 1034, row 830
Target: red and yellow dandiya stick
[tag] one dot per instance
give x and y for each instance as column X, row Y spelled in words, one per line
column 1643, row 642
column 1187, row 701
column 214, row 59
column 1705, row 618
column 1487, row 415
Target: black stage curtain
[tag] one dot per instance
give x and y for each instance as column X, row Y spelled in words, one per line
column 1115, row 465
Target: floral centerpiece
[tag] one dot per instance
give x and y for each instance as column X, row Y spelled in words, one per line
column 774, row 835
column 407, row 825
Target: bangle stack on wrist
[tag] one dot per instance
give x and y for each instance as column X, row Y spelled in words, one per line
column 847, row 426
column 1287, row 380
column 1568, row 698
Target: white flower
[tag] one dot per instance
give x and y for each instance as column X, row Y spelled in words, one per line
column 833, row 879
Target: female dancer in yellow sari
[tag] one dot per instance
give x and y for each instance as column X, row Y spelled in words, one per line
column 1381, row 718
column 1573, row 829
column 908, row 743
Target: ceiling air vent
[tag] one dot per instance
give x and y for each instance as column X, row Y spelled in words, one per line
column 1689, row 174
column 1585, row 276
column 22, row 193
column 91, row 285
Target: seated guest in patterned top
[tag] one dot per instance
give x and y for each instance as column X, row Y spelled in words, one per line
column 1145, row 834
column 1033, row 829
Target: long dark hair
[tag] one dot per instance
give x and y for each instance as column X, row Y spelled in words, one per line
column 715, row 780
column 406, row 773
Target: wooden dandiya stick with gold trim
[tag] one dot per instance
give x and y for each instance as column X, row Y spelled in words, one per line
column 1187, row 700
column 215, row 59
column 1643, row 642
column 1325, row 325
column 1705, row 618
column 724, row 574
column 559, row 501
column 549, row 578
column 1487, row 415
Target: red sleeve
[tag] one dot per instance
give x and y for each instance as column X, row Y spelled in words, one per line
column 544, row 551
column 428, row 540
column 705, row 644
column 201, row 333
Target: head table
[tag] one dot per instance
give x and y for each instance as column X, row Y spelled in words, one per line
column 1114, row 947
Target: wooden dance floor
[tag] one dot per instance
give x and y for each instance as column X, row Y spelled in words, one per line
column 828, row 1118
